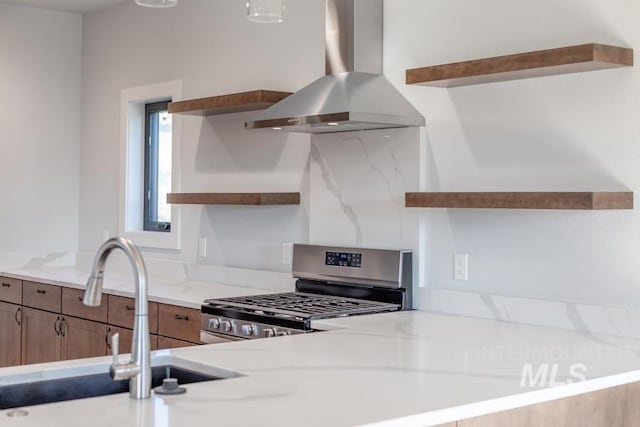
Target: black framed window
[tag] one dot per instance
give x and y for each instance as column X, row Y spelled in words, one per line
column 157, row 167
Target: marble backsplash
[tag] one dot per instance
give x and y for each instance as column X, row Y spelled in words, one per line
column 588, row 318
column 37, row 260
column 358, row 183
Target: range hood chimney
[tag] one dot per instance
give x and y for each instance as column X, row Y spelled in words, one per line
column 353, row 95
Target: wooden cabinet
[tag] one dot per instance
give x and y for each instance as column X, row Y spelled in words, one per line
column 10, row 334
column 82, row 338
column 41, row 296
column 168, row 343
column 11, row 290
column 72, row 305
column 42, row 323
column 41, row 338
column 615, row 406
column 10, row 321
column 179, row 322
column 121, row 311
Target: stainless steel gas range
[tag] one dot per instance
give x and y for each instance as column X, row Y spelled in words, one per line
column 332, row 282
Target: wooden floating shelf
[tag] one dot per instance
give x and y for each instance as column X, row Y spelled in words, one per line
column 244, row 199
column 526, row 200
column 564, row 60
column 225, row 104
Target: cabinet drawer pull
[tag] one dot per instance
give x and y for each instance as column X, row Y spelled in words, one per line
column 129, row 308
column 106, row 339
column 55, row 326
column 6, row 285
column 41, row 292
column 180, row 317
column 63, row 327
column 18, row 316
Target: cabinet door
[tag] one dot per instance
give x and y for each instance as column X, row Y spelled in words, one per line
column 83, row 338
column 10, row 334
column 41, row 339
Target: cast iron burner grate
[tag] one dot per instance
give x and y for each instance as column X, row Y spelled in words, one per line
column 303, row 305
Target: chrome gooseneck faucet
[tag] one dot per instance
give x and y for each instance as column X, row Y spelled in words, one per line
column 138, row 370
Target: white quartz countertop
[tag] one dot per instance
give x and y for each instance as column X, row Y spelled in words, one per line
column 176, row 292
column 407, row 368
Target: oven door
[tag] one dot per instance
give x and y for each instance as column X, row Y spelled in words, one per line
column 207, row 337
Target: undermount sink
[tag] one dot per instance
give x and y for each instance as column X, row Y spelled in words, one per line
column 85, row 382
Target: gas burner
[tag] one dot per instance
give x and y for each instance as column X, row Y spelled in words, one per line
column 302, row 305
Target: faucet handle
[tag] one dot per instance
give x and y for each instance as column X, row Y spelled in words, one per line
column 115, row 348
column 121, row 371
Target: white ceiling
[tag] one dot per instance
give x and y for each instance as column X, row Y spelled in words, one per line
column 80, row 6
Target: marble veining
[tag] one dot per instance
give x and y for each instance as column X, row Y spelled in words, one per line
column 334, row 189
column 560, row 314
column 37, row 260
column 48, row 259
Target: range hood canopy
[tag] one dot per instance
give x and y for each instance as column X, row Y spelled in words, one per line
column 354, row 95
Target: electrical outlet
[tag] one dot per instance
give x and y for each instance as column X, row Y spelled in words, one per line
column 287, row 253
column 202, row 247
column 461, row 267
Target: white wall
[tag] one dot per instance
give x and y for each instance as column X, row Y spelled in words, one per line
column 214, row 50
column 40, row 74
column 564, row 133
column 572, row 132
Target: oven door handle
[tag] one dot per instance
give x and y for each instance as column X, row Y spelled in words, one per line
column 207, row 337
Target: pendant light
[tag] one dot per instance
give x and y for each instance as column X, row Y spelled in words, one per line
column 157, row 3
column 265, row 11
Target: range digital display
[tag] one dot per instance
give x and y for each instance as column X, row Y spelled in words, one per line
column 343, row 259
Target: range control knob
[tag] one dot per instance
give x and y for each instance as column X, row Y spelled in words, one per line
column 247, row 330
column 283, row 333
column 214, row 323
column 226, row 325
column 268, row 333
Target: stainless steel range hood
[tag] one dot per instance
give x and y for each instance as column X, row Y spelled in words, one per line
column 354, row 95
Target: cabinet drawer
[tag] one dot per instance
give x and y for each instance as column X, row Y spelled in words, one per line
column 168, row 343
column 121, row 310
column 72, row 305
column 179, row 322
column 11, row 290
column 44, row 297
